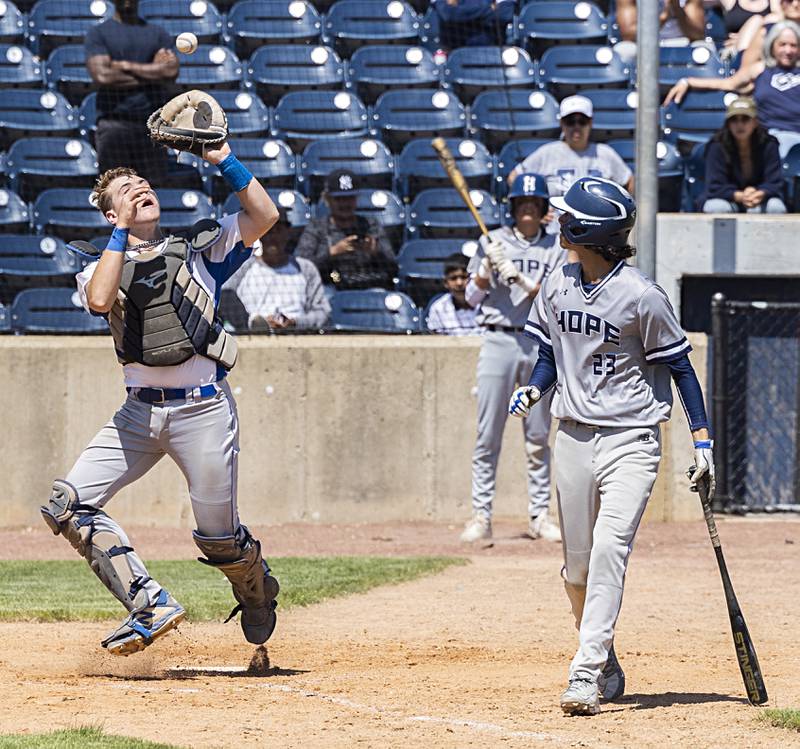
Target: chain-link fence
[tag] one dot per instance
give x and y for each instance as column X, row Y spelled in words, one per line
column 756, row 397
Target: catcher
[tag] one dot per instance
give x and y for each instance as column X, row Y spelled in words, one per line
column 159, row 295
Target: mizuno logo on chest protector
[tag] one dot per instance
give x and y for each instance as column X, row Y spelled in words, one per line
column 153, row 279
column 578, row 321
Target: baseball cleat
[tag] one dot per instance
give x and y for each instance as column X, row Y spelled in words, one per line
column 611, row 681
column 542, row 527
column 145, row 626
column 581, row 698
column 477, row 529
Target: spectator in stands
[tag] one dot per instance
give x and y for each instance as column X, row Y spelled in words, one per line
column 682, row 22
column 775, row 81
column 471, row 23
column 753, row 33
column 350, row 251
column 131, row 62
column 743, row 168
column 574, row 156
column 450, row 314
column 281, row 292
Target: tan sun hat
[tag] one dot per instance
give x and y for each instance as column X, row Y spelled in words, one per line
column 741, row 105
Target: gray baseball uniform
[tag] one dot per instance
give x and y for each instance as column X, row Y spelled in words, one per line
column 506, row 360
column 608, row 343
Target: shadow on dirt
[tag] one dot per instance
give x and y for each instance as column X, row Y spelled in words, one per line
column 667, row 699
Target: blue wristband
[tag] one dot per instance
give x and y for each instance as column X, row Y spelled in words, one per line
column 236, row 174
column 702, row 444
column 118, row 241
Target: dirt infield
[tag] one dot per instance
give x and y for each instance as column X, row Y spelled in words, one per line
column 476, row 656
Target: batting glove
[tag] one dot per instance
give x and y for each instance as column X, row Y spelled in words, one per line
column 485, row 269
column 507, row 271
column 495, row 252
column 703, row 465
column 522, row 399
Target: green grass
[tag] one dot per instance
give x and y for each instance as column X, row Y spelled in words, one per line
column 79, row 738
column 69, row 591
column 781, row 718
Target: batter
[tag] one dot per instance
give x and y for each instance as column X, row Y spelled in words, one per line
column 506, row 274
column 608, row 343
column 159, row 295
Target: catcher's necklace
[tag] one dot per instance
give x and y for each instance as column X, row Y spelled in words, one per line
column 145, row 245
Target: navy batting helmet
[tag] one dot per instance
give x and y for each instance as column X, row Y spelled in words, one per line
column 601, row 213
column 529, row 185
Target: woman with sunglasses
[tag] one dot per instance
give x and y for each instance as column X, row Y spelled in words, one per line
column 743, row 168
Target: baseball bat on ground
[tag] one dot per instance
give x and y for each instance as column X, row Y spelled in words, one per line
column 745, row 651
column 452, row 171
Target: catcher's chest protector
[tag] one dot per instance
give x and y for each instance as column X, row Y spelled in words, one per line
column 162, row 316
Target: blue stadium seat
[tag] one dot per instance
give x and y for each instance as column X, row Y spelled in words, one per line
column 277, row 69
column 34, row 164
column 304, row 116
column 370, row 160
column 52, row 23
column 53, row 311
column 199, row 17
column 87, row 117
column 271, row 162
column 67, row 213
column 421, row 265
column 66, row 72
column 696, row 118
column 675, row 63
column 472, row 70
column 350, row 24
column 543, row 24
column 247, row 114
column 791, row 173
column 439, row 212
column 295, row 205
column 500, row 115
column 5, row 319
column 181, row 209
column 512, row 153
column 429, row 30
column 670, row 171
column 419, row 167
column 383, row 206
column 14, row 214
column 404, row 114
column 12, row 23
column 211, row 66
column 32, row 112
column 18, row 67
column 695, row 181
column 251, row 23
column 570, row 67
column 614, row 112
column 27, row 261
column 381, row 67
column 715, row 27
column 373, row 311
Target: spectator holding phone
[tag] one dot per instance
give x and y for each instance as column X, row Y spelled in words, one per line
column 350, row 251
column 743, row 168
column 281, row 292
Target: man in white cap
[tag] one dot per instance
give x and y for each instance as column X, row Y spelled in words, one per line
column 564, row 161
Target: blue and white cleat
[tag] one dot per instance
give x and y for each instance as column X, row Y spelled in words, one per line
column 581, row 698
column 145, row 625
column 611, row 681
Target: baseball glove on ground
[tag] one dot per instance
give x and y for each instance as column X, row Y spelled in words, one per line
column 189, row 122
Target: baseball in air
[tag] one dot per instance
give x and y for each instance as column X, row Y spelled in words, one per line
column 186, row 43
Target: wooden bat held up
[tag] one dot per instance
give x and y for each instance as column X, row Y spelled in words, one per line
column 452, row 171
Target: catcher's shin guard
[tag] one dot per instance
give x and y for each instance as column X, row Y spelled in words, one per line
column 239, row 559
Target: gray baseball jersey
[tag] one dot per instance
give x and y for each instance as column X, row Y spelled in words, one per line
column 535, row 258
column 608, row 342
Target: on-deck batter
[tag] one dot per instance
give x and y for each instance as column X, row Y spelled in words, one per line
column 160, row 296
column 507, row 272
column 608, row 341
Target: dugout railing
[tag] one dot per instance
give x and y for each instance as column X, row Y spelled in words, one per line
column 756, row 405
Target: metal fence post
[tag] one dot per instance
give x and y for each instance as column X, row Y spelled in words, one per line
column 719, row 399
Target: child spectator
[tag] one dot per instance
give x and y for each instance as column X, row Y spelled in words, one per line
column 450, row 314
column 743, row 168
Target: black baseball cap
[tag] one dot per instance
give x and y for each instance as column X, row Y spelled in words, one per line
column 340, row 182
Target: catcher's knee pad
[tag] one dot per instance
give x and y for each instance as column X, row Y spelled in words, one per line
column 94, row 536
column 239, row 558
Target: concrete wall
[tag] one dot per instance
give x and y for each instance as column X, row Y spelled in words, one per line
column 335, row 429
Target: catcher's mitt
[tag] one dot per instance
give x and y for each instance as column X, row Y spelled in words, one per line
column 189, row 122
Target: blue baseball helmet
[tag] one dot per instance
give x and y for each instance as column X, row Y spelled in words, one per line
column 529, row 185
column 601, row 213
